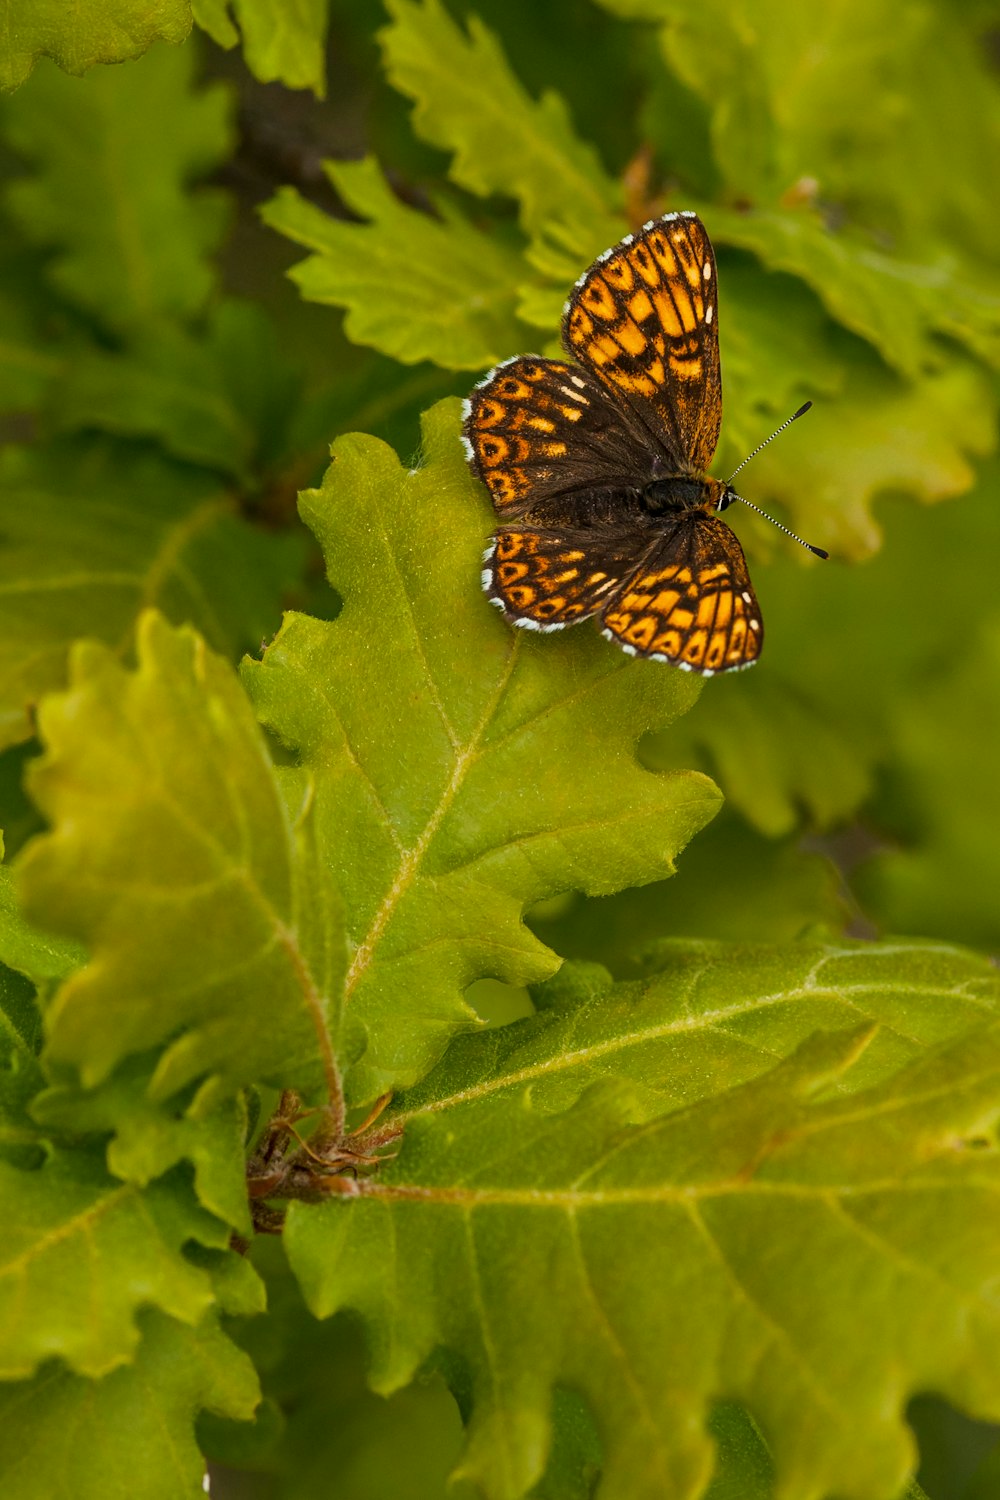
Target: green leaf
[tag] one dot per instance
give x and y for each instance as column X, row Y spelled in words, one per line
column 150, row 1138
column 281, row 43
column 471, row 103
column 131, row 1433
column 214, row 16
column 83, row 556
column 900, row 307
column 93, row 31
column 36, row 954
column 731, row 883
column 20, row 1075
column 778, row 759
column 78, row 1239
column 502, row 142
column 743, row 1467
column 109, row 189
column 414, row 286
column 808, row 739
column 705, row 1016
column 893, row 303
column 228, row 953
column 882, row 434
column 778, row 346
column 986, row 1478
column 952, row 1450
column 822, row 623
column 423, row 719
column 318, row 1417
column 224, row 399
column 688, row 1248
column 826, row 620
column 899, row 136
column 28, row 362
column 942, row 876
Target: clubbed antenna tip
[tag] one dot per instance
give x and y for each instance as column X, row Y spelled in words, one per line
column 731, row 494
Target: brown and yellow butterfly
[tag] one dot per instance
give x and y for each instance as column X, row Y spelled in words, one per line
column 597, row 468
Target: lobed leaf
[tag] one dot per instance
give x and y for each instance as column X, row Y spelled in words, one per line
column 109, row 187
column 844, row 724
column 318, row 1418
column 223, row 399
column 471, row 103
column 893, row 303
column 705, row 1016
column 94, row 31
column 422, row 720
column 226, row 953
column 215, row 17
column 820, row 107
column 779, row 758
column 61, row 1434
column 414, row 286
column 688, row 1247
column 281, row 43
column 92, row 566
column 150, row 1137
column 883, row 434
column 732, row 884
column 83, row 1252
column 899, row 306
column 504, row 143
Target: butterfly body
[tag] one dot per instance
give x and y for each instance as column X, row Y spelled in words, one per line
column 596, row 464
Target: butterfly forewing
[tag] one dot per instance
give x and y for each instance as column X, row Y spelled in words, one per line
column 643, row 321
column 690, row 603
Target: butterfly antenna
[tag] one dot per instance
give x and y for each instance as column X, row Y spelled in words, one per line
column 794, row 418
column 818, row 551
column 731, row 494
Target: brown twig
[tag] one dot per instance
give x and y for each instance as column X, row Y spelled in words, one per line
column 287, row 1165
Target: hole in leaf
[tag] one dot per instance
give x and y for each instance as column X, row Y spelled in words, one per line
column 498, row 1004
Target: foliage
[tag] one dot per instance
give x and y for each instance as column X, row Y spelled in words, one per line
column 710, row 1198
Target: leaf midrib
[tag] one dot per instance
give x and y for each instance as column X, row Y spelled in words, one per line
column 705, row 1021
column 411, row 859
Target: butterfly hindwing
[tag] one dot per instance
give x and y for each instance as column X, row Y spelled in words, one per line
column 543, row 580
column 690, row 602
column 643, row 322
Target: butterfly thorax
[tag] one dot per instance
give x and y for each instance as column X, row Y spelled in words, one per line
column 682, row 492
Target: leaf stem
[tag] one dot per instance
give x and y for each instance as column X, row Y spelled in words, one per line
column 317, row 1010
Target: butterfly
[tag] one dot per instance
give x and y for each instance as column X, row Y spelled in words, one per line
column 596, row 464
